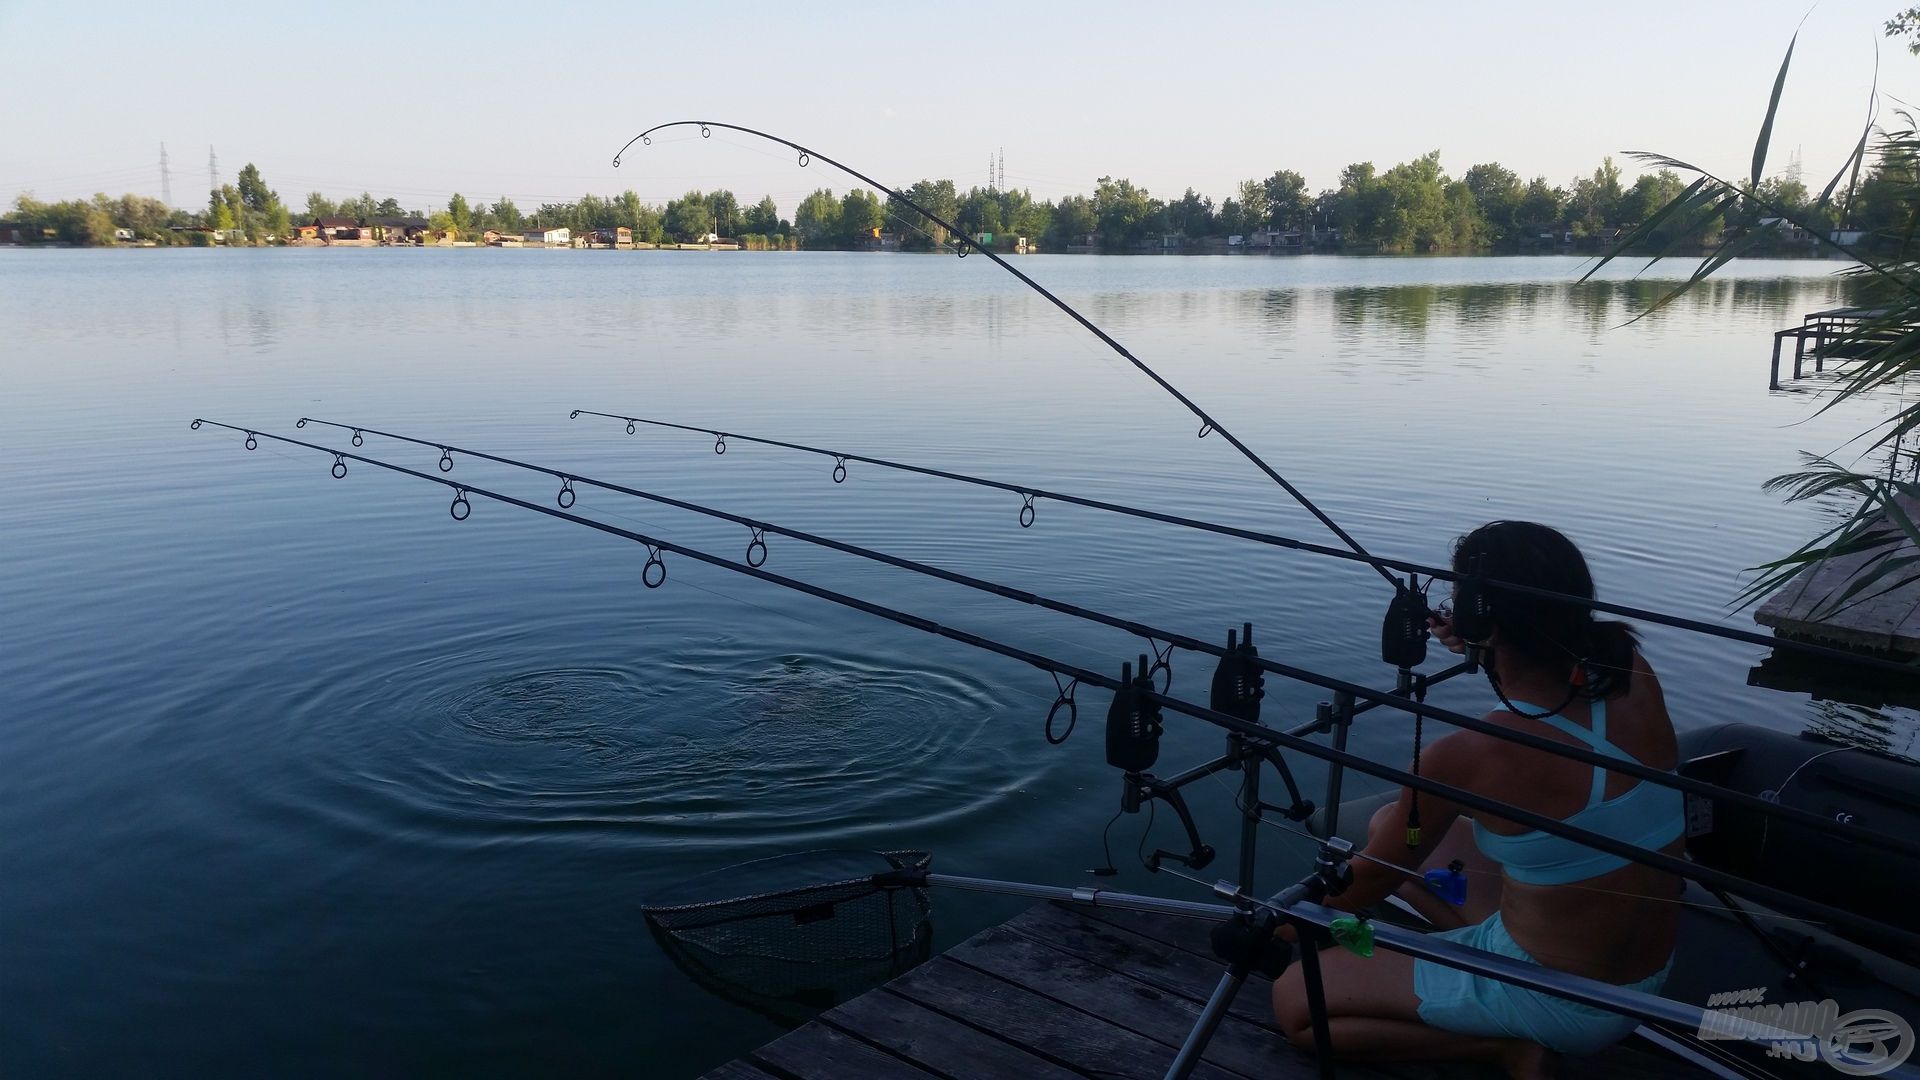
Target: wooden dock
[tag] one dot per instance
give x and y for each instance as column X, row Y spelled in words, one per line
column 1071, row 992
column 1888, row 623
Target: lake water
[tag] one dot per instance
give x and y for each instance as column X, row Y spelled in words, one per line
column 300, row 777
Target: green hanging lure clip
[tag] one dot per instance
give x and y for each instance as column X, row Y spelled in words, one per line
column 1354, row 934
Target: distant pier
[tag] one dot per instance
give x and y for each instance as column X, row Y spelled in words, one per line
column 1838, row 334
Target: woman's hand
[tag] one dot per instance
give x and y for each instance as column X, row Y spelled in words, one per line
column 1443, row 632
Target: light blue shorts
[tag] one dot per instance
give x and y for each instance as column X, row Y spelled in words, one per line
column 1454, row 1000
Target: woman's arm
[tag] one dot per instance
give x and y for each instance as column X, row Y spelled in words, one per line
column 1451, row 760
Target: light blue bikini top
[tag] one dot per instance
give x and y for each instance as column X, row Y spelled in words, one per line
column 1646, row 815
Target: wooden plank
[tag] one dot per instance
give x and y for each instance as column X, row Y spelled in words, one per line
column 1039, row 1024
column 1164, row 931
column 938, row 1043
column 1158, row 964
column 1888, row 622
column 1243, row 1047
column 818, row 1052
column 737, row 1070
column 1190, row 935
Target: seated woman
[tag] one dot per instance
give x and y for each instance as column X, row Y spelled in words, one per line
column 1561, row 675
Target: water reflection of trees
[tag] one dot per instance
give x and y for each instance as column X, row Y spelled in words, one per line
column 1411, row 312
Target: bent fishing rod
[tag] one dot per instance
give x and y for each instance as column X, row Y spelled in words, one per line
column 1153, row 635
column 1030, row 493
column 1140, row 693
column 1208, row 424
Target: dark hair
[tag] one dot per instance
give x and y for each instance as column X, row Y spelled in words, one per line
column 1550, row 634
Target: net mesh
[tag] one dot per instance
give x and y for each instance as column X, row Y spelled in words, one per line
column 795, row 932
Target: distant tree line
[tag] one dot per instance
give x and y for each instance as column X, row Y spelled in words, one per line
column 1413, row 207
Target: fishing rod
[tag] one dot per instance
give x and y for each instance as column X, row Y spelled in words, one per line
column 653, row 575
column 1208, row 424
column 1030, row 493
column 1135, row 692
column 1153, row 635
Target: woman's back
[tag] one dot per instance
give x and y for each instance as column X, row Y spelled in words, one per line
column 1587, row 913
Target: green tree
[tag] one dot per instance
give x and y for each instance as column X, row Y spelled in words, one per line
column 1542, row 205
column 1413, row 214
column 1073, row 222
column 253, row 191
column 1498, row 193
column 817, row 219
column 1286, row 194
column 688, row 218
column 763, row 218
column 508, row 216
column 1127, row 214
column 1254, row 207
column 459, row 213
column 1191, row 215
column 724, row 210
column 1595, row 201
column 319, row 206
column 937, row 197
column 861, row 212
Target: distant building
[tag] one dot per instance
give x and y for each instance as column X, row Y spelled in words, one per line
column 19, row 232
column 879, row 240
column 1846, row 237
column 332, row 229
column 398, row 230
column 561, row 237
column 124, row 236
column 620, row 236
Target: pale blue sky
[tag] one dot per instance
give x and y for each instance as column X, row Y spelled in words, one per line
column 420, row 100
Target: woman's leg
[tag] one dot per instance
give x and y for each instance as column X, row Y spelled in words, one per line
column 1373, row 1015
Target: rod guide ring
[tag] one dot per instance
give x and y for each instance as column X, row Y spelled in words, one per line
column 461, row 508
column 1063, row 699
column 654, row 574
column 339, row 467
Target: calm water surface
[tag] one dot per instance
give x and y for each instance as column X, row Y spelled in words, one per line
column 300, row 777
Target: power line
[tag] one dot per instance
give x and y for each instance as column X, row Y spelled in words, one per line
column 213, row 170
column 166, row 178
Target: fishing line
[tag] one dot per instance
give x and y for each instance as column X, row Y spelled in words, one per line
column 654, row 576
column 1208, row 424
